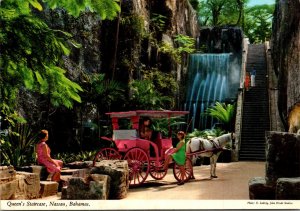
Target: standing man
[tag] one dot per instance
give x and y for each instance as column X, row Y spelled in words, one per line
column 253, row 73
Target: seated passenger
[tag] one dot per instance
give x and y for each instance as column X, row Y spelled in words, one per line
column 44, row 158
column 145, row 125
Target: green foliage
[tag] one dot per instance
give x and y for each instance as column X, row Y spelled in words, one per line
column 107, row 9
column 80, row 156
column 18, row 147
column 164, row 83
column 102, row 91
column 134, row 25
column 162, row 125
column 64, row 92
column 31, row 52
column 185, row 44
column 145, row 96
column 255, row 21
column 158, row 22
column 221, row 12
column 207, row 134
column 222, row 112
column 258, row 23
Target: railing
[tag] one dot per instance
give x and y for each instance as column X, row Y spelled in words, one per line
column 240, row 100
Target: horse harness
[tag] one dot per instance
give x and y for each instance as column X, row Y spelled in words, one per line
column 216, row 146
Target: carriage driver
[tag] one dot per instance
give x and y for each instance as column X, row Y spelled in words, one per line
column 145, row 128
column 146, row 132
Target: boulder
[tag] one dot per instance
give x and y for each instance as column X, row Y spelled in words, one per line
column 79, row 164
column 37, row 169
column 8, row 189
column 282, row 156
column 92, row 187
column 48, row 188
column 8, row 182
column 258, row 189
column 28, row 186
column 288, row 189
column 118, row 171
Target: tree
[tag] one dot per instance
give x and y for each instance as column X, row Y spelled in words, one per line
column 221, row 12
column 258, row 23
column 31, row 52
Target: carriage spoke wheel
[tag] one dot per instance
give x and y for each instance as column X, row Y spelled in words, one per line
column 157, row 172
column 138, row 164
column 106, row 154
column 188, row 170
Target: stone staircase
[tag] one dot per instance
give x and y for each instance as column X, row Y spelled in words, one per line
column 255, row 120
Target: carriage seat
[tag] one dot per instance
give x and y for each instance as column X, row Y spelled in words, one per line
column 124, row 134
column 125, row 139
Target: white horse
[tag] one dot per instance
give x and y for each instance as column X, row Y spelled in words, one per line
column 208, row 148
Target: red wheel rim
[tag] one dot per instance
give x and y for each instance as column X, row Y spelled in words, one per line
column 138, row 164
column 188, row 171
column 106, row 154
column 157, row 172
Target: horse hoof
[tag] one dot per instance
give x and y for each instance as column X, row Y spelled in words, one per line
column 192, row 177
column 213, row 176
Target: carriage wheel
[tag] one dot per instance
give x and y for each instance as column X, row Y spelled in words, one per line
column 188, row 171
column 138, row 163
column 157, row 172
column 106, row 154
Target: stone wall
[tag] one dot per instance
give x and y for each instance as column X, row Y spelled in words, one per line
column 275, row 121
column 286, row 53
column 282, row 178
column 282, row 156
column 8, row 182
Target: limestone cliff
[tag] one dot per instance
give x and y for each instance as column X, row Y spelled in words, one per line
column 122, row 49
column 286, row 53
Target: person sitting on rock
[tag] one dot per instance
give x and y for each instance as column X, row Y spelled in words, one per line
column 44, row 158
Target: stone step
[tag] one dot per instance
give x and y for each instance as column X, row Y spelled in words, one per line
column 255, row 108
column 48, row 188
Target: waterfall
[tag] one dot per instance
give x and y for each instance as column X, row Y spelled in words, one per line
column 211, row 78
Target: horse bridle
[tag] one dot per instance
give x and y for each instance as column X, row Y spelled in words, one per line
column 232, row 136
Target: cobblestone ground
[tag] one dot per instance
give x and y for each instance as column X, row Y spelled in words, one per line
column 231, row 184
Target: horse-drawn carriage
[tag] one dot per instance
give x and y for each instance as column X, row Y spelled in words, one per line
column 144, row 156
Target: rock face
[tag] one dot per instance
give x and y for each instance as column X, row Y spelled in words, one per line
column 258, row 189
column 8, row 182
column 118, row 172
column 131, row 50
column 28, row 185
column 48, row 188
column 286, row 53
column 282, row 180
column 288, row 188
column 221, row 40
column 95, row 186
column 282, row 156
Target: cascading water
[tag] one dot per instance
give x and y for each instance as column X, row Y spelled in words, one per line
column 212, row 77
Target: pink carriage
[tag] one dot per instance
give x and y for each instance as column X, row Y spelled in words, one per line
column 130, row 147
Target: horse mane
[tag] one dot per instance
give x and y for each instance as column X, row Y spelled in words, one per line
column 223, row 138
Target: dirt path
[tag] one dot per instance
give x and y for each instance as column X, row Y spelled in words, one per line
column 232, row 183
